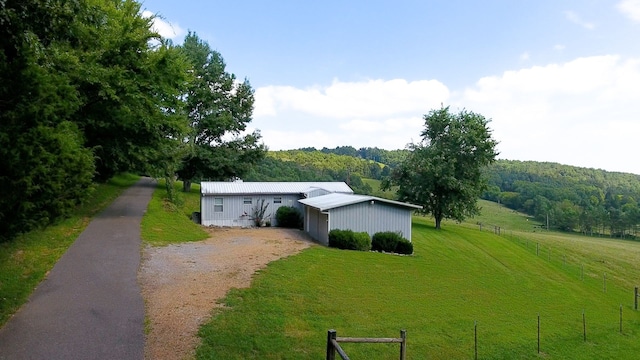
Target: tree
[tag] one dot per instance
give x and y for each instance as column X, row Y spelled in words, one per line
column 45, row 170
column 443, row 172
column 219, row 109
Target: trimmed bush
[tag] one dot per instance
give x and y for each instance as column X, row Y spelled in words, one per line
column 349, row 240
column 289, row 217
column 404, row 246
column 389, row 241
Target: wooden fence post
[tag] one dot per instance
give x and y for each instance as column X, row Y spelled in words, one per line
column 331, row 351
column 403, row 345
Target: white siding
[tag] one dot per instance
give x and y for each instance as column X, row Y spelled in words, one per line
column 372, row 218
column 237, row 213
column 316, row 224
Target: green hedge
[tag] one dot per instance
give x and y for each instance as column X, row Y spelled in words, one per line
column 289, row 217
column 349, row 240
column 389, row 241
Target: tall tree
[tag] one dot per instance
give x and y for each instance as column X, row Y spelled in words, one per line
column 219, row 109
column 129, row 88
column 443, row 172
column 44, row 168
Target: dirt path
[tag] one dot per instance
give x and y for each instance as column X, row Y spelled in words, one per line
column 182, row 283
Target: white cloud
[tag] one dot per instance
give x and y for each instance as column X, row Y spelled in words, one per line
column 387, row 114
column 166, row 29
column 577, row 19
column 559, row 47
column 524, row 56
column 581, row 112
column 374, row 98
column 630, row 8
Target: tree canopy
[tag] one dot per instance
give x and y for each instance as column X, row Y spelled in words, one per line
column 219, row 109
column 88, row 90
column 443, row 172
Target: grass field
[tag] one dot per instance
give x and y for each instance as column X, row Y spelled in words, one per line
column 165, row 223
column 457, row 277
column 25, row 261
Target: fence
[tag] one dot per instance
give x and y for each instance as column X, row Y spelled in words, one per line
column 333, row 344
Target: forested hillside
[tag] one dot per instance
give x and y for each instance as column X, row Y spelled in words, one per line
column 570, row 198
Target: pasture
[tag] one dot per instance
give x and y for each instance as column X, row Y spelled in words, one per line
column 458, row 277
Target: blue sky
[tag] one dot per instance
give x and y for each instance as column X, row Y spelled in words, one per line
column 560, row 80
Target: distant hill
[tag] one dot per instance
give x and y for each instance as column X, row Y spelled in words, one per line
column 569, row 198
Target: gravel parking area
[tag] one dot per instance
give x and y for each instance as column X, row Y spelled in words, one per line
column 181, row 284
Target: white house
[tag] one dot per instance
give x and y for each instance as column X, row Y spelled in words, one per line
column 325, row 206
column 232, row 203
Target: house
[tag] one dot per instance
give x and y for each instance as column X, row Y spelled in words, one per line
column 324, row 205
column 232, row 203
column 360, row 213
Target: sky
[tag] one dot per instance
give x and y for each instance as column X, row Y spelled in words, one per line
column 558, row 79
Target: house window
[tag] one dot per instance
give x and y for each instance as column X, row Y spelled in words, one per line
column 247, row 201
column 217, row 204
column 277, row 200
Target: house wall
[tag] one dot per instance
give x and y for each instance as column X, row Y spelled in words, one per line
column 236, row 213
column 372, row 218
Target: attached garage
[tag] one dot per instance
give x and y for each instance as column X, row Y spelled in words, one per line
column 360, row 213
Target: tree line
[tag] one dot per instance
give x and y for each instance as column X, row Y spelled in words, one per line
column 89, row 90
column 566, row 197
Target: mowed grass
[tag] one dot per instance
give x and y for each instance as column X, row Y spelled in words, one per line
column 457, row 277
column 25, row 261
column 165, row 223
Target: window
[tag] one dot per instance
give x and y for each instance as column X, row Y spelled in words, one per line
column 247, row 201
column 217, row 204
column 277, row 200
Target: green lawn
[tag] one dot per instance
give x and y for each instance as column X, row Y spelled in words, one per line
column 165, row 223
column 458, row 276
column 25, row 261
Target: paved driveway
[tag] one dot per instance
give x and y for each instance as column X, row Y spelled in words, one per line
column 90, row 306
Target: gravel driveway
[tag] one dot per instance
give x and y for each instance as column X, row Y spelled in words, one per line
column 182, row 283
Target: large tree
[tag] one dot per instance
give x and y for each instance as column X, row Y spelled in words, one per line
column 443, row 171
column 219, row 109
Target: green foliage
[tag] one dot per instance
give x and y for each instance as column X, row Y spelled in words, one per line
column 389, row 241
column 571, row 198
column 218, row 108
column 166, row 223
column 25, row 261
column 349, row 240
column 83, row 95
column 404, row 246
column 289, row 217
column 443, row 173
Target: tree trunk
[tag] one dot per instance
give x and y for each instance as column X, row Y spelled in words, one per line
column 438, row 221
column 186, row 186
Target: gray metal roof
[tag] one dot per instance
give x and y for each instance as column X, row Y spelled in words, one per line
column 240, row 188
column 332, row 201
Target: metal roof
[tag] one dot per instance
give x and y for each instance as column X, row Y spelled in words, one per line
column 332, row 201
column 241, row 188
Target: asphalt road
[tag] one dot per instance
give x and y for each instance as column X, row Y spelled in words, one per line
column 90, row 306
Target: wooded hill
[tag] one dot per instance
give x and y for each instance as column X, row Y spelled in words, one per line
column 570, row 198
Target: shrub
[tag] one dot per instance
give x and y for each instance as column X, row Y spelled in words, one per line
column 404, row 246
column 289, row 217
column 389, row 241
column 349, row 240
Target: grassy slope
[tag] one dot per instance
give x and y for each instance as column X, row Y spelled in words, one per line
column 165, row 223
column 25, row 261
column 457, row 276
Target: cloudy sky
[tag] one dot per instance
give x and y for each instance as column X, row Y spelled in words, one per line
column 559, row 79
